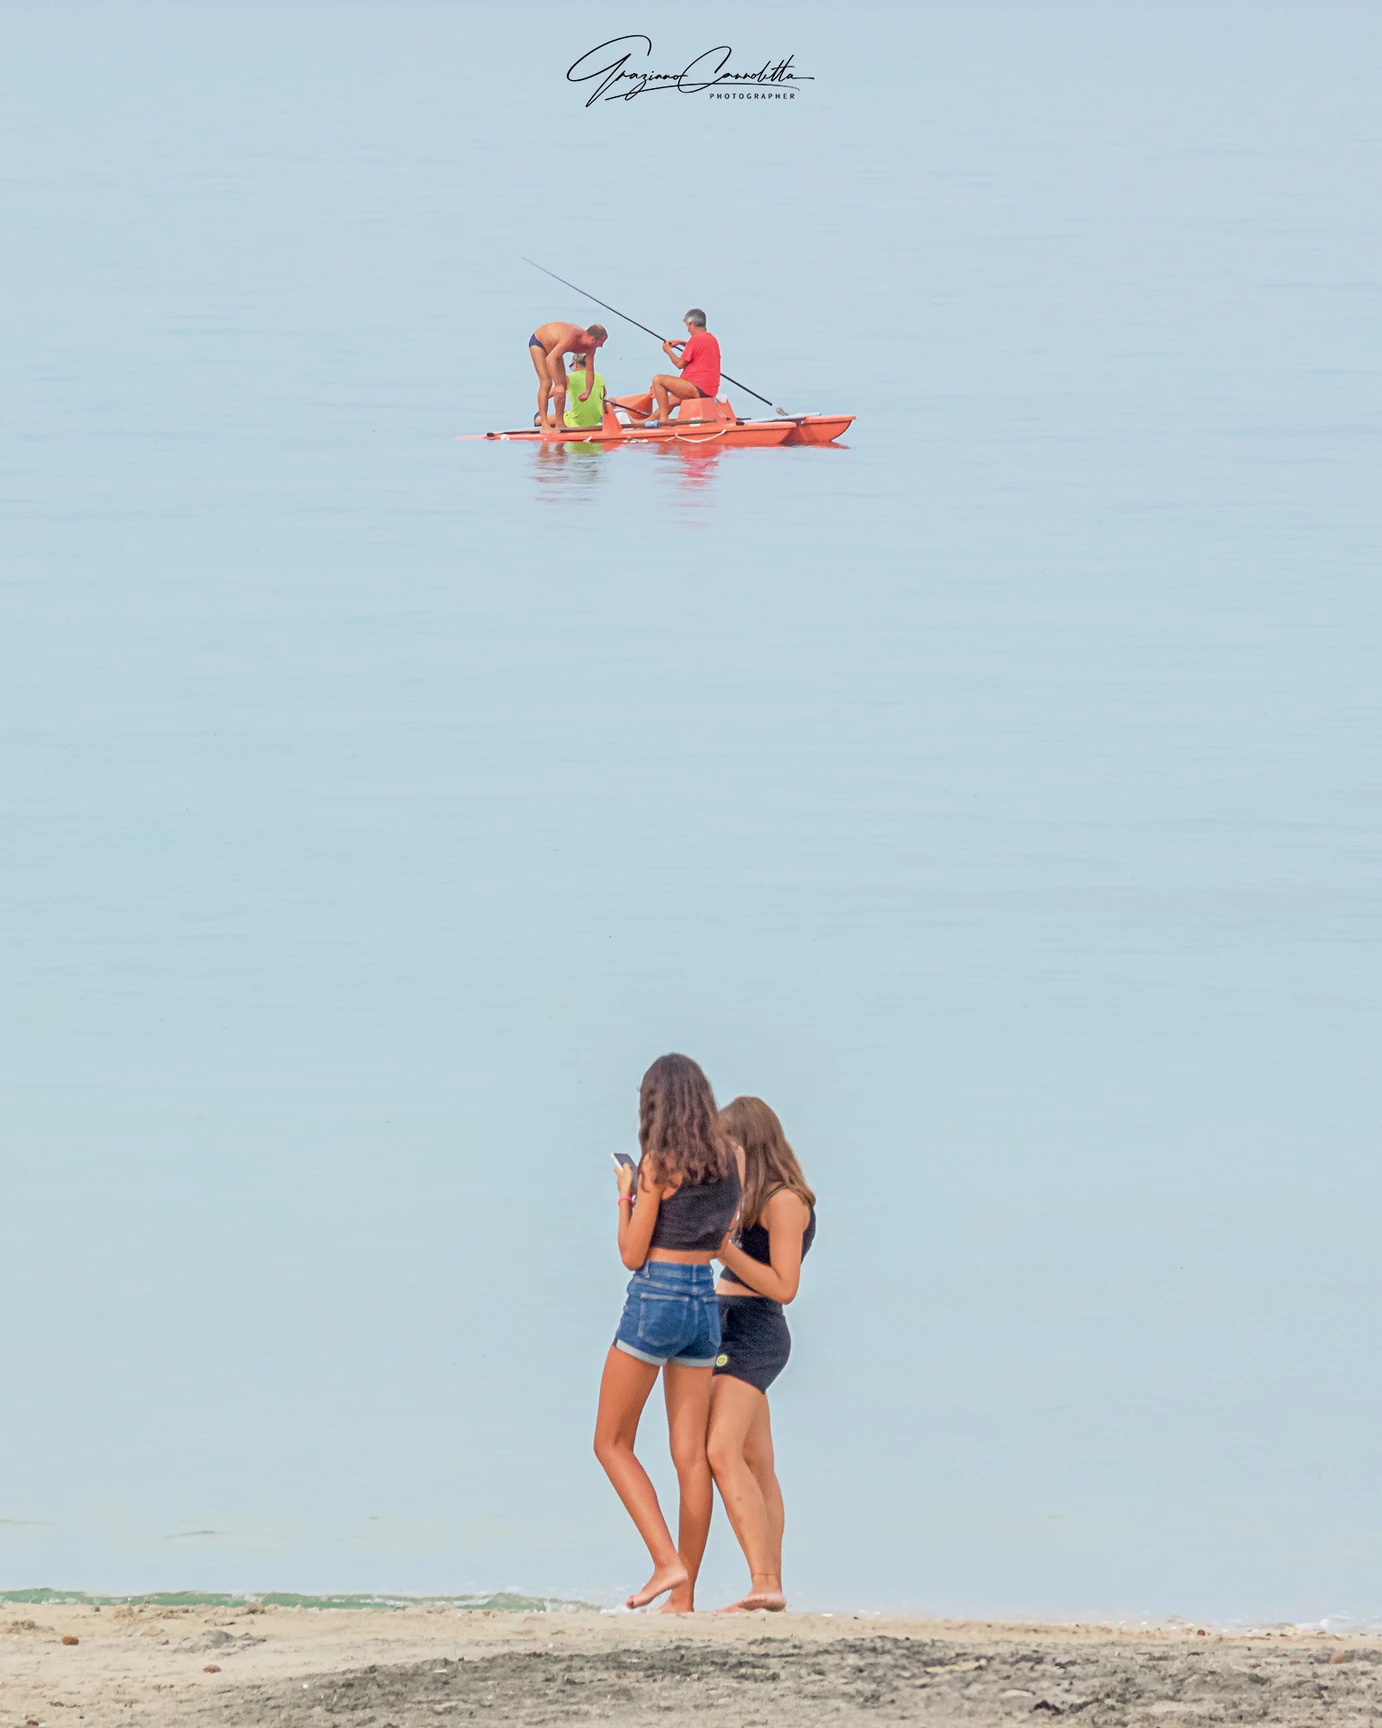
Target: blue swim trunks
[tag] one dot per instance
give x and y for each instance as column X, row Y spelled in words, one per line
column 671, row 1315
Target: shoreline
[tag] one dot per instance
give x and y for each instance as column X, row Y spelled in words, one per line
column 42, row 1598
column 237, row 1667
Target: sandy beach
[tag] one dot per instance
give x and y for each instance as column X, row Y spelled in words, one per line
column 369, row 1669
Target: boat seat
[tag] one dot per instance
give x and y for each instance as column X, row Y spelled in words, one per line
column 705, row 408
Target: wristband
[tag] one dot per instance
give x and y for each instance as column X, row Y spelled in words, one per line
column 624, row 1200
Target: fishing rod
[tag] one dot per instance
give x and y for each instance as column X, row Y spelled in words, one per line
column 653, row 333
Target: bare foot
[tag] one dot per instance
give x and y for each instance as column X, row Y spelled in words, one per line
column 670, row 1577
column 681, row 1601
column 773, row 1601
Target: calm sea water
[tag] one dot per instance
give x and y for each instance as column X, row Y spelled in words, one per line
column 997, row 795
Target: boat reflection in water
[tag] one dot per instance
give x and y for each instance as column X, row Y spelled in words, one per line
column 564, row 470
column 565, row 467
column 561, row 467
column 694, row 467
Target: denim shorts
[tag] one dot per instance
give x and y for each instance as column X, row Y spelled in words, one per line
column 671, row 1315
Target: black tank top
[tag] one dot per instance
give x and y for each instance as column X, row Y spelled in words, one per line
column 755, row 1243
column 696, row 1218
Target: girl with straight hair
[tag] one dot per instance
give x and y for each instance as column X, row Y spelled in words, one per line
column 762, row 1270
column 673, row 1215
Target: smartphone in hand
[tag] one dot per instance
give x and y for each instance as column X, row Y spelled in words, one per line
column 623, row 1158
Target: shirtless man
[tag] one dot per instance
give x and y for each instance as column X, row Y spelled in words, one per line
column 699, row 361
column 548, row 347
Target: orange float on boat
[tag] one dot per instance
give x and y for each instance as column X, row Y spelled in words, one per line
column 709, row 420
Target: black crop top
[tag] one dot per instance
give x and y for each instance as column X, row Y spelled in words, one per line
column 754, row 1241
column 696, row 1219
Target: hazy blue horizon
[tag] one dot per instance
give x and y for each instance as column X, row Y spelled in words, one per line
column 998, row 795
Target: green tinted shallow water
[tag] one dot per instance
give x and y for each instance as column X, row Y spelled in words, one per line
column 502, row 1601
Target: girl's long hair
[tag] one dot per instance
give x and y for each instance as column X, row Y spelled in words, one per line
column 769, row 1162
column 678, row 1125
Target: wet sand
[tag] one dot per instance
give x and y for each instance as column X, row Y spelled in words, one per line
column 367, row 1669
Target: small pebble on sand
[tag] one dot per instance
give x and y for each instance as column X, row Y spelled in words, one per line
column 69, row 1638
column 212, row 1668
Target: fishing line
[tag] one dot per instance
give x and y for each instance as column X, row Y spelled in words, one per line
column 653, row 333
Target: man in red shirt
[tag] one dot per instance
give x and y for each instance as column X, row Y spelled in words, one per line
column 699, row 362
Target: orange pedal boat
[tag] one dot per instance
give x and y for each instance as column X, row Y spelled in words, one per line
column 710, row 420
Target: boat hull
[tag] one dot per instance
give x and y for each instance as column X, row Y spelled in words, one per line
column 819, row 428
column 758, row 433
column 711, row 420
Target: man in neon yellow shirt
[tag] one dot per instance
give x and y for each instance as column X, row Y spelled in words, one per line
column 591, row 411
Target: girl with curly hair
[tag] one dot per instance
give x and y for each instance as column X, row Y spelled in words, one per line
column 674, row 1212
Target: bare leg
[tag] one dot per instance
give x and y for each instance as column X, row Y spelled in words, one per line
column 660, row 390
column 688, row 1414
column 624, row 1389
column 734, row 1408
column 538, row 356
column 557, row 366
column 758, row 1455
column 669, row 391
